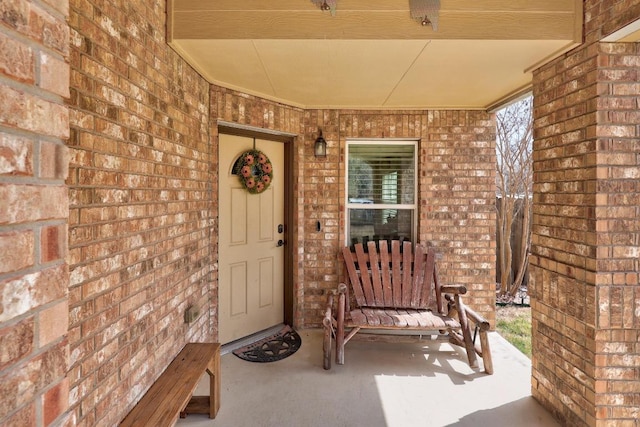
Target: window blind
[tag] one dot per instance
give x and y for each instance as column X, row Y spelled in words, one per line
column 381, row 173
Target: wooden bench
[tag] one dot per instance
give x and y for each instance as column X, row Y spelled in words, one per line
column 400, row 290
column 172, row 393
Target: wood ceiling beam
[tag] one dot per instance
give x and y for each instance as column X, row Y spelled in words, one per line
column 373, row 5
column 374, row 20
column 349, row 25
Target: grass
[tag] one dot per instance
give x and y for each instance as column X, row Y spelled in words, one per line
column 514, row 324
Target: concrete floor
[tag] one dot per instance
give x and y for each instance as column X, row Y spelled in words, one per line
column 425, row 383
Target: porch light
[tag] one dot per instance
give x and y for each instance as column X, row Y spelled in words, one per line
column 426, row 12
column 320, row 146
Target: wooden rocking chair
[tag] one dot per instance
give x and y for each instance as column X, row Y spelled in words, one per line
column 400, row 290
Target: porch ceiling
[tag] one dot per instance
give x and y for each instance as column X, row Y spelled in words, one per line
column 371, row 54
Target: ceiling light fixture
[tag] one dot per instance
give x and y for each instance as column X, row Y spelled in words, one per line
column 326, row 5
column 426, row 12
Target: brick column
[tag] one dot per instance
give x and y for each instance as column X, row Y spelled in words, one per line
column 34, row 80
column 457, row 201
column 322, row 203
column 617, row 338
column 586, row 235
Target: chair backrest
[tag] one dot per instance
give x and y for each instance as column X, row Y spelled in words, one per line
column 402, row 278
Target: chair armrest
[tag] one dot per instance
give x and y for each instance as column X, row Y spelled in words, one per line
column 478, row 320
column 327, row 321
column 329, row 318
column 454, row 289
column 342, row 288
column 481, row 322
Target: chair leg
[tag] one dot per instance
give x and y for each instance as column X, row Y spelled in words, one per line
column 487, row 361
column 326, row 346
column 328, row 322
column 340, row 349
column 466, row 333
column 340, row 330
column 471, row 351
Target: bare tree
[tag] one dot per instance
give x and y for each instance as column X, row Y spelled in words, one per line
column 514, row 181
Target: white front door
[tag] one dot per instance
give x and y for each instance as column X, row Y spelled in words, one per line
column 251, row 279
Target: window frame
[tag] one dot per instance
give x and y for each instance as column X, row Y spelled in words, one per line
column 382, row 206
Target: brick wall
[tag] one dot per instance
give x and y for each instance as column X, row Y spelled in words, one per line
column 34, row 80
column 323, row 181
column 562, row 285
column 457, row 201
column 584, row 269
column 456, row 196
column 617, row 211
column 457, row 162
column 140, row 206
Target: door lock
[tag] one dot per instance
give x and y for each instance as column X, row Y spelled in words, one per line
column 280, row 228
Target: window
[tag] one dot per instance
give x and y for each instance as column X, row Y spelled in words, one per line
column 381, row 190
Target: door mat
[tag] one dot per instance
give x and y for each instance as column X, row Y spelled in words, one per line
column 271, row 349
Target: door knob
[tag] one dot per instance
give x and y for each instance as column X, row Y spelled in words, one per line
column 280, row 242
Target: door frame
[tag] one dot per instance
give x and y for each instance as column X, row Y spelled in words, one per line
column 288, row 139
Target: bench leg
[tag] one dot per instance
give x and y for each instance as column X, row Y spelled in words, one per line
column 214, row 385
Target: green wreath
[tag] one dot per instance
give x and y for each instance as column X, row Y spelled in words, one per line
column 255, row 171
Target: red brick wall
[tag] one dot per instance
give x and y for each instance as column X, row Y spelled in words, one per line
column 618, row 226
column 562, row 285
column 457, row 201
column 323, row 183
column 603, row 17
column 584, row 269
column 456, row 196
column 457, row 162
column 34, row 122
column 140, row 206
